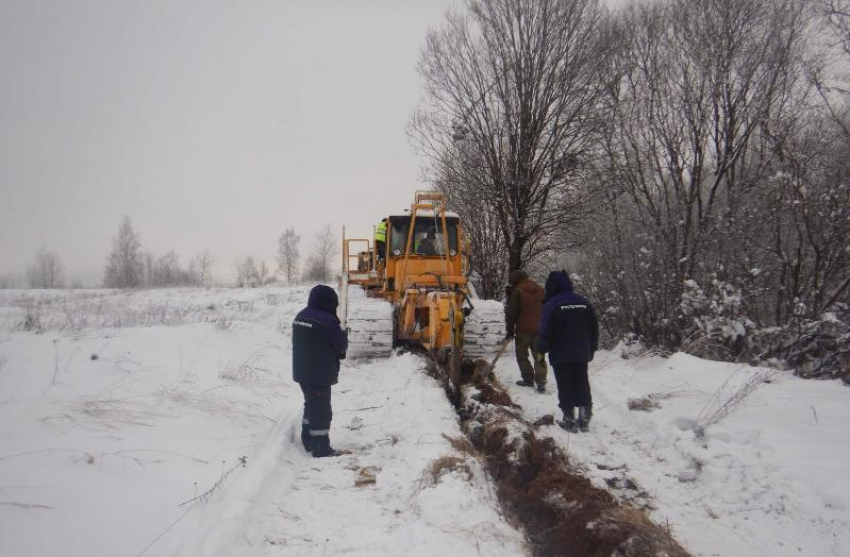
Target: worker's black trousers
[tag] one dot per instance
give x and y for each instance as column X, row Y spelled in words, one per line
column 317, row 409
column 573, row 385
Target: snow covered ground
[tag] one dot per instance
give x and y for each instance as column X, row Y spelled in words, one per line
column 769, row 475
column 113, row 436
column 126, row 417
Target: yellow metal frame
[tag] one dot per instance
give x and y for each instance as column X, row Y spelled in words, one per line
column 445, row 319
column 428, row 303
column 427, row 201
column 368, row 278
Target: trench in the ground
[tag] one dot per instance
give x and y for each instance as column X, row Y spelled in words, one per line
column 560, row 510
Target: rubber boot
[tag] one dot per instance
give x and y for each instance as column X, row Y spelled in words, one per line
column 569, row 421
column 320, row 446
column 524, row 383
column 584, row 415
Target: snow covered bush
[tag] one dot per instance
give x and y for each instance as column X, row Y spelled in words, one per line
column 726, row 232
column 713, row 323
column 32, row 319
column 815, row 348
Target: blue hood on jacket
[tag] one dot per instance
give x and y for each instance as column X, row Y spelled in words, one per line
column 557, row 282
column 324, row 298
column 569, row 331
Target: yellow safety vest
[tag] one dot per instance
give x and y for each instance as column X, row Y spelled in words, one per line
column 381, row 232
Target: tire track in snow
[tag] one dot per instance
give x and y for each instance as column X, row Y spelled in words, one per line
column 393, row 417
column 224, row 518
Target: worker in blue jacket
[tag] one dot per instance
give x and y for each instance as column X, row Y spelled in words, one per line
column 318, row 345
column 569, row 333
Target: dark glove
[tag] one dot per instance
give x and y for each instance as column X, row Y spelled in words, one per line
column 509, row 335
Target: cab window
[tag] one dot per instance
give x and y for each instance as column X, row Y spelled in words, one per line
column 428, row 236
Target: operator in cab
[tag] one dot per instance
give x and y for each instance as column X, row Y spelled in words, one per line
column 428, row 244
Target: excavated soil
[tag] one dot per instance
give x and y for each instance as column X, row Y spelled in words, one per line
column 560, row 510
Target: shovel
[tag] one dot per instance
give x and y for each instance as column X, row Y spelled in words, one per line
column 487, row 369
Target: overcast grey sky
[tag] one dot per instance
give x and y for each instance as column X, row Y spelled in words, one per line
column 213, row 124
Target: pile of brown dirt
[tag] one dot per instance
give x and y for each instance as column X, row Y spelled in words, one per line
column 560, row 510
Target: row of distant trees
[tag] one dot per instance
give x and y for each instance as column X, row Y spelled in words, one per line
column 45, row 271
column 129, row 265
column 691, row 157
column 318, row 266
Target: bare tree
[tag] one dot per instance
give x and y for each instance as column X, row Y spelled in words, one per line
column 828, row 73
column 837, row 14
column 149, row 264
column 46, row 271
column 246, row 272
column 8, row 280
column 512, row 112
column 287, row 254
column 703, row 85
column 167, row 271
column 724, row 226
column 263, row 274
column 124, row 266
column 320, row 261
column 202, row 265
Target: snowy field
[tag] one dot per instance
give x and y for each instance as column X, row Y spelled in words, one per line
column 126, row 418
column 165, row 422
column 764, row 474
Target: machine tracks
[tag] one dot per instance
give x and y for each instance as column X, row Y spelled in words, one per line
column 370, row 325
column 484, row 330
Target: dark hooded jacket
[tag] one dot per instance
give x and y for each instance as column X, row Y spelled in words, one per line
column 318, row 341
column 525, row 305
column 568, row 328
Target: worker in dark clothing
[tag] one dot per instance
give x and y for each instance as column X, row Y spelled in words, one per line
column 428, row 244
column 318, row 344
column 570, row 334
column 522, row 318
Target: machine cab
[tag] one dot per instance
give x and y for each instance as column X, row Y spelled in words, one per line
column 424, row 249
column 428, row 239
